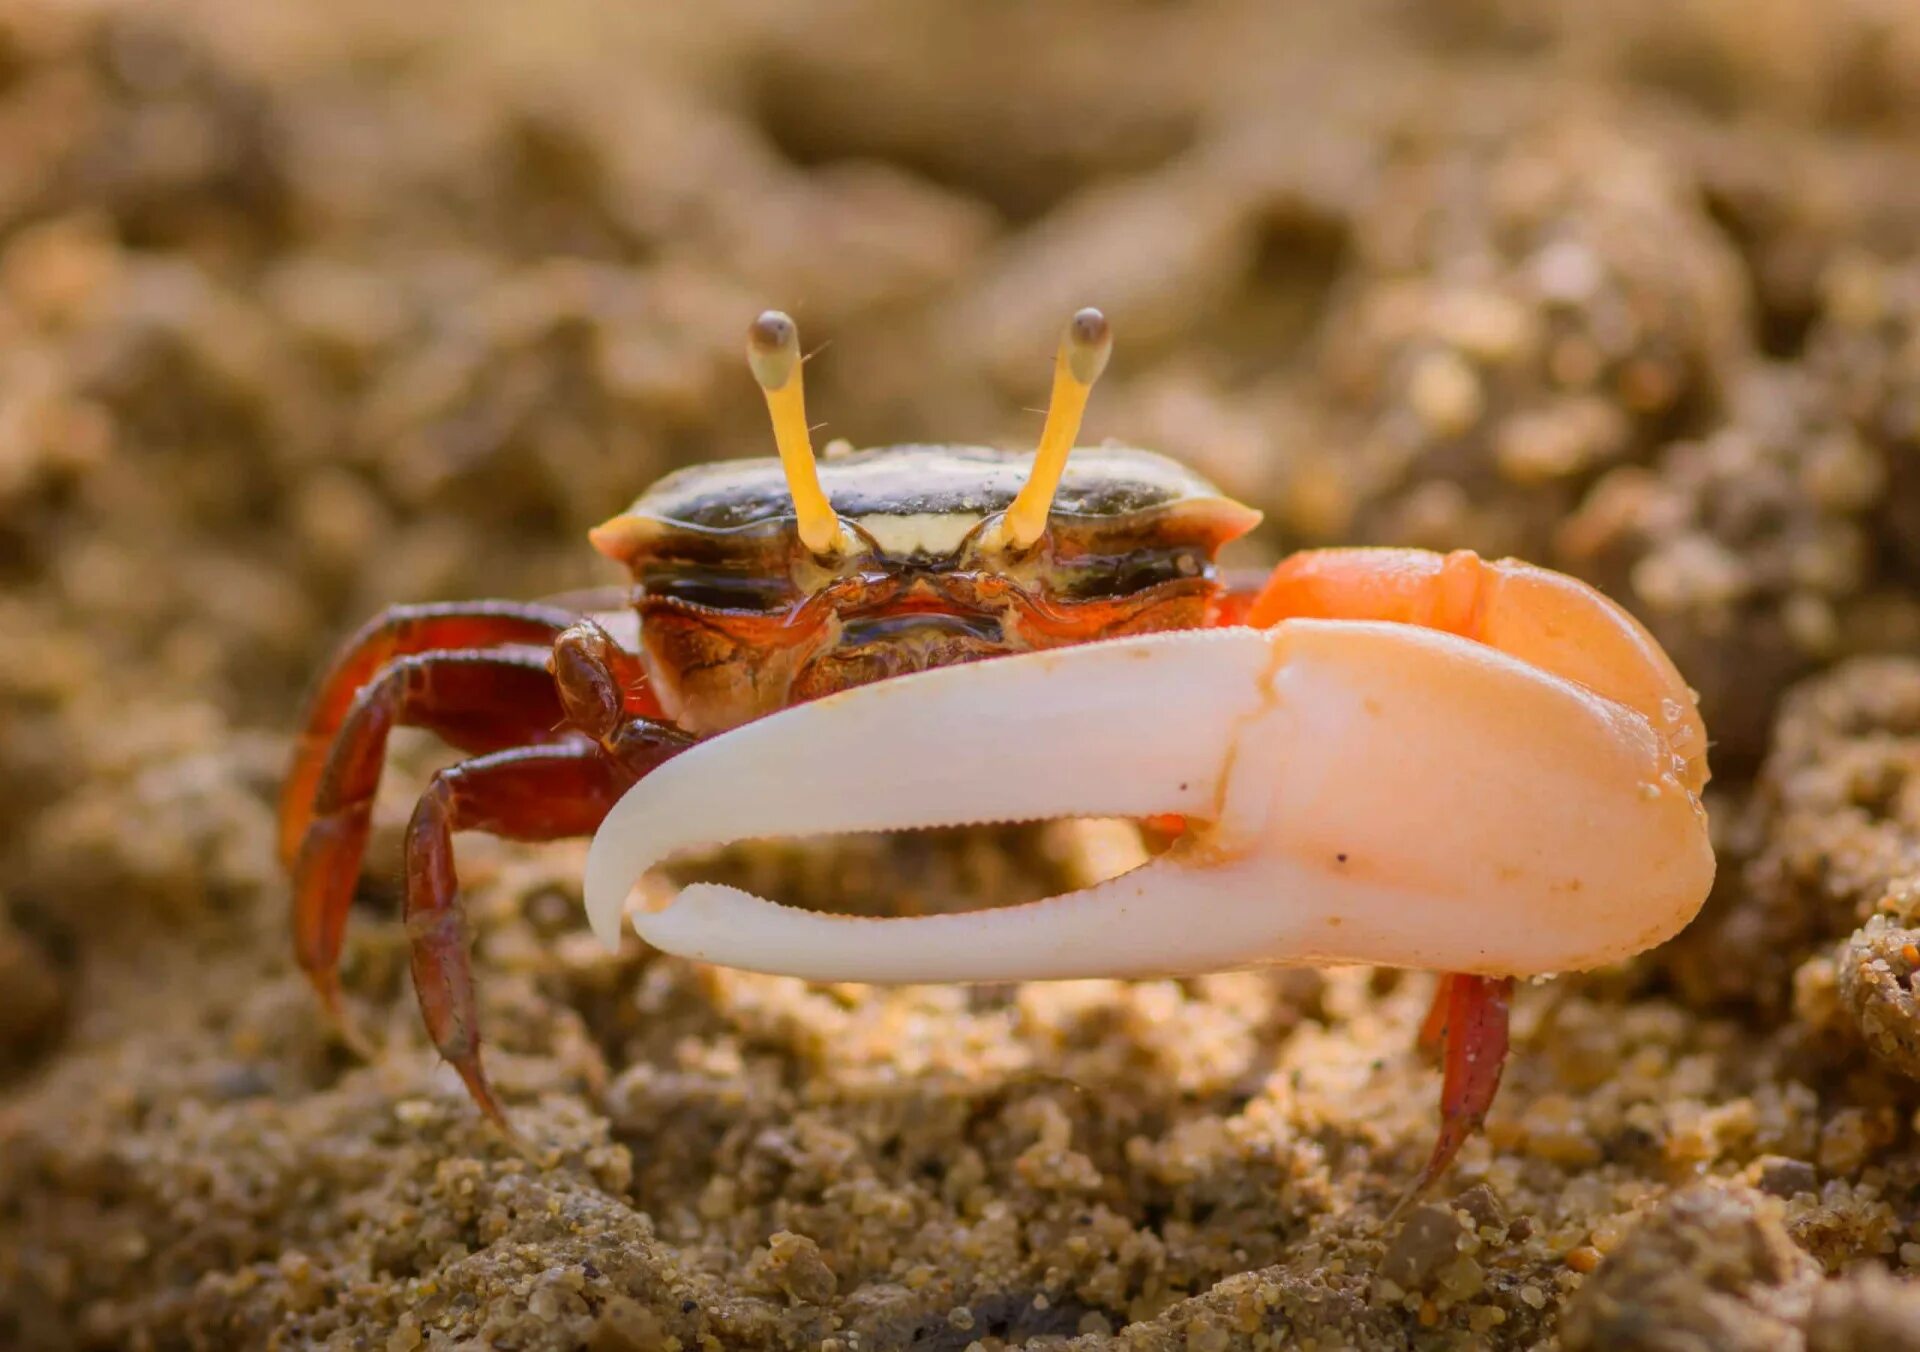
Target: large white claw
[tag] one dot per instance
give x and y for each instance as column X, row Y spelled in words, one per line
column 1358, row 792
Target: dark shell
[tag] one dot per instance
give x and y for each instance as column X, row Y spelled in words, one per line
column 1100, row 481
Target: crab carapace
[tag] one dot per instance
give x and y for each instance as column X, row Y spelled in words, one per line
column 1389, row 756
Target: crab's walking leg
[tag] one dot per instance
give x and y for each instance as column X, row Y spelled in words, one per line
column 1433, row 1027
column 458, row 694
column 1473, row 1042
column 402, row 631
column 529, row 793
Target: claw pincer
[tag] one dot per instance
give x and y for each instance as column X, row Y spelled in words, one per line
column 1356, row 792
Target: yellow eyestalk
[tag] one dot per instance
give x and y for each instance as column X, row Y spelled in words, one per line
column 773, row 351
column 1084, row 349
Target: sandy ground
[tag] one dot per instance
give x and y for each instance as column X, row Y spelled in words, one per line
column 308, row 309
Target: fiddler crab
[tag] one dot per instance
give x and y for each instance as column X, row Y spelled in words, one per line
column 1380, row 756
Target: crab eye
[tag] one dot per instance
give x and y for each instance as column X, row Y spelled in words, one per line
column 773, row 352
column 1082, row 356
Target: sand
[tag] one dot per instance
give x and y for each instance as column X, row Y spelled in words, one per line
column 308, row 310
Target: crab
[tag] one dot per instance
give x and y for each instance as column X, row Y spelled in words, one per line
column 1370, row 756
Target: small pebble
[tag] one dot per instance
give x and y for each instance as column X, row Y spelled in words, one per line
column 1429, row 1237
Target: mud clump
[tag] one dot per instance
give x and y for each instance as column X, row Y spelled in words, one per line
column 303, row 312
column 1876, row 989
column 1835, row 822
column 1707, row 1269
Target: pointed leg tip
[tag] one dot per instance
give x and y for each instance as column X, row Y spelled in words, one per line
column 521, row 1146
column 496, row 1117
column 1407, row 1199
column 1452, row 1137
column 333, row 1006
column 1468, row 1025
column 480, row 1090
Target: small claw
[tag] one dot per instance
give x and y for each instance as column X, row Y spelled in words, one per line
column 1365, row 792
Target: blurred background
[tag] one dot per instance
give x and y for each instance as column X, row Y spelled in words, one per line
column 309, row 308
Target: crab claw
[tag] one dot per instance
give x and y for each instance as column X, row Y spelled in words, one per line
column 1365, row 792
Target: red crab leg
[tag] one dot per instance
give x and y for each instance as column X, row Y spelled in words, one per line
column 529, row 793
column 458, row 694
column 401, row 631
column 1473, row 1040
column 1433, row 1027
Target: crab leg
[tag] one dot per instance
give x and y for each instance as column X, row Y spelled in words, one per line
column 460, row 694
column 528, row 793
column 404, row 631
column 1472, row 1036
column 1360, row 791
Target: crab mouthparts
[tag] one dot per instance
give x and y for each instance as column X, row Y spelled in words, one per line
column 1355, row 792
